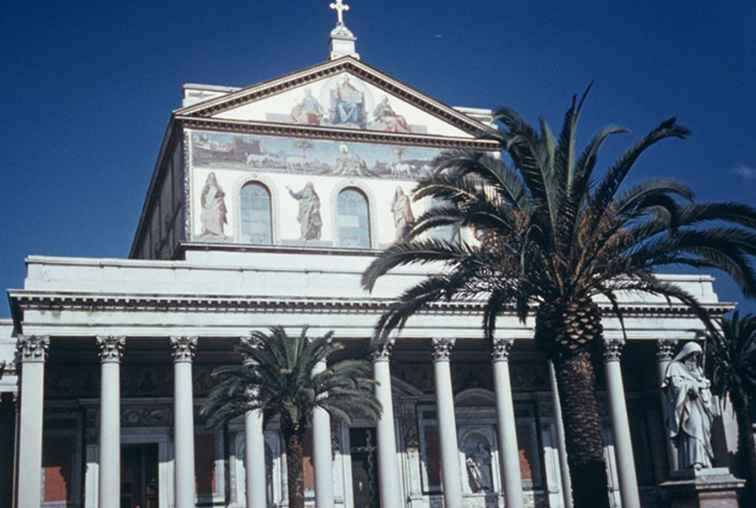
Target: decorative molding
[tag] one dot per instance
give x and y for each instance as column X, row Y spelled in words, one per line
column 665, row 350
column 501, row 349
column 32, row 348
column 42, row 300
column 442, row 348
column 613, row 349
column 110, row 349
column 187, row 185
column 336, row 134
column 150, row 416
column 382, row 351
column 183, row 348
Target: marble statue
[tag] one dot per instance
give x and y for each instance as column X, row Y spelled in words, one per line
column 689, row 408
column 401, row 208
column 310, row 222
column 214, row 214
column 478, row 465
column 308, row 111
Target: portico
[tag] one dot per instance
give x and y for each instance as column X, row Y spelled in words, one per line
column 450, row 396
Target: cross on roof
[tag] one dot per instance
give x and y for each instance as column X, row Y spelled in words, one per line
column 340, row 7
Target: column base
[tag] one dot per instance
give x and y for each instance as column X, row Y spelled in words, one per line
column 712, row 487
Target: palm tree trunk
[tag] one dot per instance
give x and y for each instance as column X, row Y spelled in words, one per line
column 746, row 449
column 294, row 474
column 581, row 414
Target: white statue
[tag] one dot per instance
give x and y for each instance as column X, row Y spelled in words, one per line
column 214, row 212
column 401, row 208
column 690, row 409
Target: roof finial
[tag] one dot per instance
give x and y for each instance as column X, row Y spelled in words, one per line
column 342, row 39
column 340, row 7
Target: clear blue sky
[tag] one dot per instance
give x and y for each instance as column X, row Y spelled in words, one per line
column 86, row 89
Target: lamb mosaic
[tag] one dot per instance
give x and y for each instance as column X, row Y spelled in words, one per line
column 218, row 150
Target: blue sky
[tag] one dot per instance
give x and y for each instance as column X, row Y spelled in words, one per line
column 86, row 89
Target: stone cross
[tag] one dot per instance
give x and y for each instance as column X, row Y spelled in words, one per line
column 340, row 7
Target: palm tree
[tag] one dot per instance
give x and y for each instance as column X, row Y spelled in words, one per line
column 277, row 378
column 553, row 237
column 732, row 360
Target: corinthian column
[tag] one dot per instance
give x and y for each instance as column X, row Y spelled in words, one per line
column 254, row 451
column 665, row 351
column 183, row 420
column 623, row 446
column 508, row 449
column 31, row 355
column 111, row 352
column 322, row 452
column 447, row 424
column 388, row 464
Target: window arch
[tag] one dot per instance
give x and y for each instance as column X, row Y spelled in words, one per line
column 256, row 215
column 352, row 219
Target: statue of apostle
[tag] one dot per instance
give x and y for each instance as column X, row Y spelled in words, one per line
column 309, row 219
column 401, row 208
column 309, row 111
column 214, row 215
column 690, row 410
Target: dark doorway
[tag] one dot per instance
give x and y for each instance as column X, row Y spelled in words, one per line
column 364, row 467
column 139, row 476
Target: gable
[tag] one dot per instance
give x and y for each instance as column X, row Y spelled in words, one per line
column 344, row 94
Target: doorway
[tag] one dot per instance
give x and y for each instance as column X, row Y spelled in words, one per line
column 364, row 467
column 139, row 476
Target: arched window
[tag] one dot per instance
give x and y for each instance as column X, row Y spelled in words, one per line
column 449, row 233
column 353, row 219
column 256, row 217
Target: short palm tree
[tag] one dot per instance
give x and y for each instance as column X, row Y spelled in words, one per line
column 732, row 360
column 276, row 376
column 554, row 236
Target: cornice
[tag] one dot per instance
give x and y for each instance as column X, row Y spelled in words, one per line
column 38, row 300
column 332, row 133
column 322, row 71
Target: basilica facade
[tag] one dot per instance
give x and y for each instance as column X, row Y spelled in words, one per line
column 265, row 206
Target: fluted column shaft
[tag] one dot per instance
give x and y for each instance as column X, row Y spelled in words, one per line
column 623, row 446
column 254, row 452
column 665, row 351
column 447, row 424
column 509, row 452
column 111, row 352
column 322, row 452
column 388, row 463
column 183, row 426
column 31, row 353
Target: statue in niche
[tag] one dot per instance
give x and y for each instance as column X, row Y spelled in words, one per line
column 689, row 408
column 478, row 464
column 308, row 111
column 401, row 208
column 310, row 222
column 214, row 215
column 347, row 106
column 386, row 119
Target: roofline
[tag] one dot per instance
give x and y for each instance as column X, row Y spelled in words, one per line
column 299, row 77
column 210, row 88
column 149, row 197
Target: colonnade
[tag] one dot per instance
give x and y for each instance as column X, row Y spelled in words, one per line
column 32, row 353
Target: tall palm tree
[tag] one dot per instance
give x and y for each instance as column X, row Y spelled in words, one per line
column 732, row 360
column 554, row 235
column 276, row 377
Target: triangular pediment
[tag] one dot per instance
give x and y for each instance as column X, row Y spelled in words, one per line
column 342, row 94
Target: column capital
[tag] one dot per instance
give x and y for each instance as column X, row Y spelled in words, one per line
column 32, row 348
column 500, row 349
column 613, row 349
column 110, row 348
column 382, row 350
column 665, row 349
column 183, row 348
column 442, row 348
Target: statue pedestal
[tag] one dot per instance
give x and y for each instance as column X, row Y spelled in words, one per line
column 712, row 487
